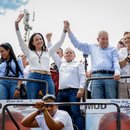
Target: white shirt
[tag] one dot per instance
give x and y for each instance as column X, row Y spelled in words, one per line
column 13, row 66
column 123, row 53
column 32, row 56
column 71, row 74
column 61, row 116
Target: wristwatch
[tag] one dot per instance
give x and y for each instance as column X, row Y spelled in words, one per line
column 18, row 87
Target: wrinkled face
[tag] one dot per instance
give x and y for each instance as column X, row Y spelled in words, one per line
column 127, row 39
column 51, row 108
column 38, row 42
column 69, row 55
column 4, row 53
column 103, row 40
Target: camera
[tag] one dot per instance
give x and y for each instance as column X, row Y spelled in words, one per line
column 85, row 55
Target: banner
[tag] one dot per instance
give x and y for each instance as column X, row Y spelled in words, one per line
column 94, row 114
column 17, row 112
column 100, row 116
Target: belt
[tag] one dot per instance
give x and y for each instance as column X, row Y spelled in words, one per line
column 68, row 89
column 103, row 72
column 11, row 76
column 40, row 72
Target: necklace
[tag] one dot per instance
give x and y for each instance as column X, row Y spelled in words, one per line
column 39, row 56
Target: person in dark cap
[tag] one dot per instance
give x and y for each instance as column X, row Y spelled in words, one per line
column 48, row 117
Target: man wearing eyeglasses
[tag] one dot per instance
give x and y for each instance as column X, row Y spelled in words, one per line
column 124, row 61
column 71, row 85
column 48, row 117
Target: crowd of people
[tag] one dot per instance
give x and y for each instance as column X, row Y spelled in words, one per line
column 66, row 78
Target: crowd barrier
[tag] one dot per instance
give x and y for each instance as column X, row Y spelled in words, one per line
column 22, row 79
column 5, row 107
column 100, row 78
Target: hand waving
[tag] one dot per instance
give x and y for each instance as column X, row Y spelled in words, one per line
column 19, row 18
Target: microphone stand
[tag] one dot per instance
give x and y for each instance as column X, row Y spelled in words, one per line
column 85, row 66
column 85, row 61
column 87, row 93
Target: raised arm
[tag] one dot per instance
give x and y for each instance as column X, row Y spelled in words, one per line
column 48, row 37
column 55, row 56
column 58, row 44
column 22, row 43
column 84, row 47
column 31, row 120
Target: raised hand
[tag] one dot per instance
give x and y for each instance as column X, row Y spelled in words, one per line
column 40, row 106
column 48, row 36
column 19, row 18
column 66, row 26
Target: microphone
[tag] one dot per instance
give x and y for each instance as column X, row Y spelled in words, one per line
column 85, row 56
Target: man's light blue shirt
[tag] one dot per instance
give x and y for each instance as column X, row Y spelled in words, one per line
column 101, row 58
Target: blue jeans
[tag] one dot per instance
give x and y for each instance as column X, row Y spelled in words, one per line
column 34, row 87
column 73, row 110
column 7, row 89
column 103, row 89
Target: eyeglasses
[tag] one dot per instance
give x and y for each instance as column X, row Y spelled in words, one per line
column 69, row 52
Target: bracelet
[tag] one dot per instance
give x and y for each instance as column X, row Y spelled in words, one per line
column 127, row 59
column 64, row 31
column 16, row 26
column 38, row 112
column 17, row 88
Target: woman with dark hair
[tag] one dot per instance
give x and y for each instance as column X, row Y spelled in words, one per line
column 39, row 57
column 9, row 67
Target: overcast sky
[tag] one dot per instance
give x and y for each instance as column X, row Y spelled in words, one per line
column 87, row 18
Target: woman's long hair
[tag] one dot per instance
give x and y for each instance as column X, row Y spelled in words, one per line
column 32, row 47
column 7, row 46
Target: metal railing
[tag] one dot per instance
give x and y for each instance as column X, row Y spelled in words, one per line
column 22, row 79
column 118, row 123
column 60, row 103
column 30, row 80
column 105, row 77
column 100, row 78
